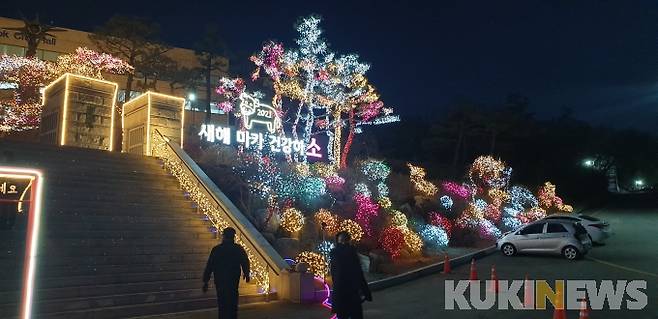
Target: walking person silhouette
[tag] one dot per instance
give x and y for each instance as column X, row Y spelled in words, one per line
column 350, row 286
column 224, row 264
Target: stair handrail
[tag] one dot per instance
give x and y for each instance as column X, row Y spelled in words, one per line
column 190, row 175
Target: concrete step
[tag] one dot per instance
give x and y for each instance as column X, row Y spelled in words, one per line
column 150, row 308
column 94, row 207
column 113, row 279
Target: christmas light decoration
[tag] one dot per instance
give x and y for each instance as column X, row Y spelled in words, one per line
column 375, row 170
column 361, row 188
column 521, row 198
column 422, row 186
column 444, row 223
column 480, row 203
column 322, row 85
column 412, row 240
column 398, row 218
column 511, row 223
column 292, row 220
column 470, row 217
column 455, row 190
column 392, row 241
column 325, row 248
column 498, row 196
column 317, row 264
column 367, row 210
column 492, row 213
column 384, row 202
column 21, row 110
column 382, row 189
column 533, row 214
column 330, row 220
column 312, row 188
column 434, row 236
column 446, row 201
column 488, row 230
column 353, row 228
column 487, row 171
column 231, row 90
column 334, row 183
column 323, row 170
column 548, row 198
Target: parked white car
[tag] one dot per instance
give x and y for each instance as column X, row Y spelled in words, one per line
column 598, row 230
column 560, row 237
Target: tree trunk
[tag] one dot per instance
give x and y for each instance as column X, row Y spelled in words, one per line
column 348, row 143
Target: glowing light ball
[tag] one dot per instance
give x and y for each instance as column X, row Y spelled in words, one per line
column 446, row 201
column 487, row 171
column 353, row 228
column 392, row 241
column 292, row 220
column 382, row 189
column 398, row 218
column 492, row 213
column 330, row 220
column 434, row 236
column 531, row 215
column 316, row 262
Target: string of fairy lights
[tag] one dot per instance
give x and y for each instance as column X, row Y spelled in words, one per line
column 206, row 204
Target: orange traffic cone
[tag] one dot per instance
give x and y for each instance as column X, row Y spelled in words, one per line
column 446, row 264
column 494, row 279
column 584, row 311
column 559, row 312
column 528, row 294
column 474, row 274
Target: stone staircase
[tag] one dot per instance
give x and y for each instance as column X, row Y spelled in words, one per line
column 119, row 239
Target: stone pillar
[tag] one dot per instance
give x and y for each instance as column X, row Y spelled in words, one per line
column 148, row 112
column 79, row 111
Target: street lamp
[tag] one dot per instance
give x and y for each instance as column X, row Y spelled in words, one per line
column 639, row 183
column 191, row 96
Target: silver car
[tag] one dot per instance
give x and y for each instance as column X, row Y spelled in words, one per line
column 560, row 237
column 598, row 230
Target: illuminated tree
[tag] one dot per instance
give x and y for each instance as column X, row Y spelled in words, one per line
column 22, row 110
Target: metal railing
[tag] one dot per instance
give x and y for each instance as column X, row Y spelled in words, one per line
column 219, row 209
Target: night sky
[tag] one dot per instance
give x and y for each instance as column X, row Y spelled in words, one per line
column 598, row 58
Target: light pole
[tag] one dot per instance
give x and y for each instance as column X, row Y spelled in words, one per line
column 192, row 97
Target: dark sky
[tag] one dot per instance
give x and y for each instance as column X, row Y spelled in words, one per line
column 599, row 58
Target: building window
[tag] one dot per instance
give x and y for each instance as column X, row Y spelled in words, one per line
column 9, row 49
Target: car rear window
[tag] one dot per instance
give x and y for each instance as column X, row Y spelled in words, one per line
column 579, row 229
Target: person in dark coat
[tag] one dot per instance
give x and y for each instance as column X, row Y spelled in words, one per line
column 350, row 286
column 225, row 262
